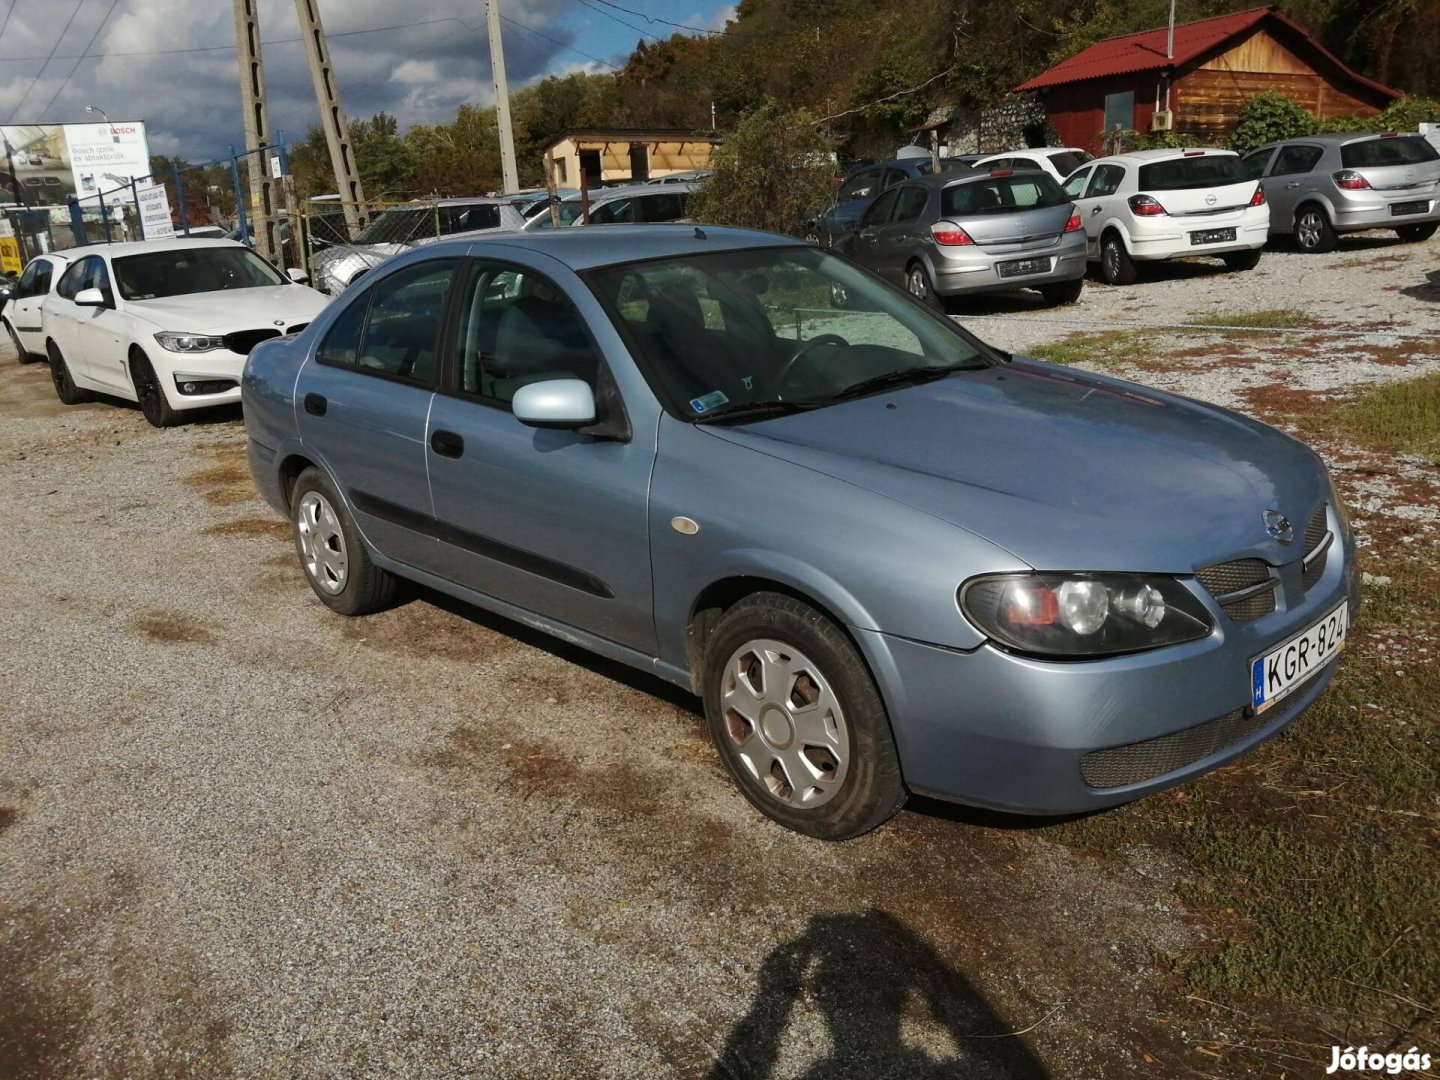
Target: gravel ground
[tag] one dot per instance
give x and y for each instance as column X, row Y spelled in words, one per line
column 242, row 836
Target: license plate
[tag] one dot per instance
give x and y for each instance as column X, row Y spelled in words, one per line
column 1287, row 668
column 1213, row 236
column 1396, row 209
column 1016, row 267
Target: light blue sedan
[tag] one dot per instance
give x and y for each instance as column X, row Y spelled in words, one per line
column 890, row 558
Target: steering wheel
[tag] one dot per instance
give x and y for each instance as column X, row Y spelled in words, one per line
column 789, row 365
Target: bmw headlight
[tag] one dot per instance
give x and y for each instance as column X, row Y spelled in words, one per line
column 189, row 343
column 1084, row 615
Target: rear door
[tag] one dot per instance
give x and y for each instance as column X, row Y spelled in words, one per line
column 864, row 246
column 901, row 235
column 24, row 307
column 1291, row 175
column 1095, row 206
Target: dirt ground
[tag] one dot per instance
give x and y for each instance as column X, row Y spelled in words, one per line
column 243, row 836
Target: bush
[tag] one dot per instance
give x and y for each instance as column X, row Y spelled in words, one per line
column 1268, row 117
column 1409, row 113
column 771, row 172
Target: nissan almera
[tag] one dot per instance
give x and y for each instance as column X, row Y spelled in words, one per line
column 888, row 557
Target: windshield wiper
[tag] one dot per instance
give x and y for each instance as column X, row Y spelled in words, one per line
column 755, row 410
column 903, row 377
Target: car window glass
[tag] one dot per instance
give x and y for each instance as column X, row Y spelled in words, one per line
column 70, row 284
column 880, row 209
column 891, row 177
column 1253, row 164
column 666, row 207
column 1024, row 163
column 1387, row 150
column 1106, row 181
column 402, row 316
column 615, row 212
column 1067, row 161
column 1000, row 195
column 911, row 203
column 1075, row 186
column 517, row 328
column 26, row 286
column 1191, row 172
column 342, row 341
column 1294, row 160
column 43, row 276
column 860, row 186
column 458, row 219
column 97, row 277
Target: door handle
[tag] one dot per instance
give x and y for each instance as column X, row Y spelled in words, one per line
column 316, row 405
column 1094, row 210
column 1293, row 184
column 447, row 444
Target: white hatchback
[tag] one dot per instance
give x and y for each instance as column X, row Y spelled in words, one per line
column 1152, row 205
column 1058, row 161
column 166, row 323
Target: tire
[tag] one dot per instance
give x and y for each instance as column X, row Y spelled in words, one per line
column 1242, row 260
column 1064, row 292
column 334, row 557
column 65, row 388
column 1313, row 232
column 1417, row 234
column 1116, row 266
column 776, row 767
column 22, row 354
column 153, row 404
column 919, row 285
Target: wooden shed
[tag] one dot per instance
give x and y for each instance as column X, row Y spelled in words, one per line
column 1214, row 67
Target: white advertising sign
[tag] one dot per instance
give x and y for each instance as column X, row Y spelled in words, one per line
column 49, row 162
column 153, row 206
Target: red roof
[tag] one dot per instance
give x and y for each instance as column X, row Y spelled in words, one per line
column 1146, row 51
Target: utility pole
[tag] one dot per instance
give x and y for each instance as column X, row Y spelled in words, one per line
column 257, row 126
column 332, row 116
column 502, row 98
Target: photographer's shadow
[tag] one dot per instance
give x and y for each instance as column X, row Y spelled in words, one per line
column 870, row 977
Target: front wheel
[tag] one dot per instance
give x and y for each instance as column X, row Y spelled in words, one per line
column 1064, row 292
column 1415, row 234
column 65, row 388
column 1313, row 232
column 1116, row 266
column 154, row 405
column 798, row 721
column 335, row 560
column 1242, row 260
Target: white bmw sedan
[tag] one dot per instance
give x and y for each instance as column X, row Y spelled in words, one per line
column 166, row 323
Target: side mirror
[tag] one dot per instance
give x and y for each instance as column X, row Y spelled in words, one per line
column 6, row 293
column 90, row 298
column 297, row 275
column 555, row 403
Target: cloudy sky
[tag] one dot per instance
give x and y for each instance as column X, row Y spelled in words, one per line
column 172, row 63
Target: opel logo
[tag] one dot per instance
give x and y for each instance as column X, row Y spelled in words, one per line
column 1210, row 199
column 1278, row 526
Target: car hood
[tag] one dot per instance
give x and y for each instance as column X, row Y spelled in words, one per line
column 1064, row 470
column 232, row 309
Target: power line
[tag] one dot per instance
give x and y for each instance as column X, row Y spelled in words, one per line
column 657, row 19
column 53, row 50
column 110, row 11
column 8, row 13
column 616, row 18
column 547, row 37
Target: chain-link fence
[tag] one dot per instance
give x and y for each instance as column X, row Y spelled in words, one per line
column 345, row 240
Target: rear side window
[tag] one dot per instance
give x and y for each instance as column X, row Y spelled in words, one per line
column 1067, row 161
column 393, row 328
column 665, row 207
column 1186, row 173
column 1294, row 160
column 1378, row 153
column 617, row 212
column 912, row 202
column 459, row 219
column 1001, row 195
column 1075, row 186
column 1253, row 164
column 1106, row 181
column 860, row 186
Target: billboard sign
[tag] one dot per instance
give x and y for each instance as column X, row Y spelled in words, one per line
column 53, row 161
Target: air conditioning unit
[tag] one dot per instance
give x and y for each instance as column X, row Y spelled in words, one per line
column 1163, row 120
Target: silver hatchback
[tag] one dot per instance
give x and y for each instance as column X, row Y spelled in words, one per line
column 956, row 234
column 1324, row 185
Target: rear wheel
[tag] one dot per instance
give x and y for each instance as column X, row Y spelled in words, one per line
column 917, row 284
column 65, row 388
column 1313, row 232
column 1116, row 266
column 1242, row 260
column 1064, row 292
column 1414, row 234
column 21, row 353
column 154, row 406
column 335, row 560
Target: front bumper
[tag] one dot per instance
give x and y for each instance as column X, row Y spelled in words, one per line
column 974, row 270
column 997, row 730
column 175, row 369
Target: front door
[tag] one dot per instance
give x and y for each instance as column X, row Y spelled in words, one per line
column 89, row 338
column 363, row 398
column 1103, row 184
column 552, row 521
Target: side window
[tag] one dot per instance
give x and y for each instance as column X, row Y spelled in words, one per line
column 1106, row 181
column 1294, row 160
column 393, row 328
column 1253, row 164
column 98, row 277
column 880, row 210
column 517, row 328
column 665, row 207
column 44, row 276
column 459, row 219
column 860, row 186
column 1024, row 163
column 911, row 203
column 342, row 342
column 998, row 165
column 28, row 285
column 70, row 284
column 891, row 178
column 615, row 212
column 1075, row 186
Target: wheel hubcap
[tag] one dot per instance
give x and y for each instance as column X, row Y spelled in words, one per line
column 785, row 723
column 1309, row 230
column 322, row 543
column 1112, row 261
column 917, row 283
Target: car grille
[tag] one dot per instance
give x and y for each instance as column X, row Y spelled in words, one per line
column 242, row 341
column 1120, row 766
column 291, row 331
column 1245, row 588
column 1317, row 547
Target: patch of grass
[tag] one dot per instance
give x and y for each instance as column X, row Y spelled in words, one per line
column 227, row 482
column 171, row 626
column 1403, row 416
column 1107, row 348
column 1268, row 319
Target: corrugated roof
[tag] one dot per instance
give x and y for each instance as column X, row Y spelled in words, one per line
column 1145, row 51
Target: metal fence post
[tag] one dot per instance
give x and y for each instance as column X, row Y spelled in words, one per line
column 282, row 152
column 241, row 217
column 77, row 222
column 104, row 216
column 180, row 198
column 135, row 194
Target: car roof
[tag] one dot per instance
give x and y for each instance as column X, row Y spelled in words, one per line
column 605, row 245
column 1038, row 150
column 135, row 247
column 1340, row 138
column 610, row 194
column 965, row 176
column 1142, row 157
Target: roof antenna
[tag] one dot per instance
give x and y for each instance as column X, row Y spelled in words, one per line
column 700, row 233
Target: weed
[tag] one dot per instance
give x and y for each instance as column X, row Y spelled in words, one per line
column 1403, row 416
column 1108, row 348
column 1268, row 319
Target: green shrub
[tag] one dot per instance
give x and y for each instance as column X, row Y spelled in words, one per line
column 1409, row 113
column 1267, row 117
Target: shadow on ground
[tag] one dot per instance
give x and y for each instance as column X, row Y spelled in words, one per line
column 1429, row 291
column 891, row 1008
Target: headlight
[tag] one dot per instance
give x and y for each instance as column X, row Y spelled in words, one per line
column 174, row 342
column 1084, row 615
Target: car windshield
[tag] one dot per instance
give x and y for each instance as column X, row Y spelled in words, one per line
column 741, row 335
column 399, row 226
column 181, row 271
column 1001, row 195
column 1067, row 161
column 1387, row 150
column 1185, row 173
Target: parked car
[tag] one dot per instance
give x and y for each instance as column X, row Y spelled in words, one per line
column 630, row 204
column 887, row 556
column 1151, row 205
column 949, row 235
column 1059, row 161
column 22, row 300
column 689, row 176
column 538, row 202
column 1324, row 185
column 864, row 184
column 402, row 227
column 166, row 323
